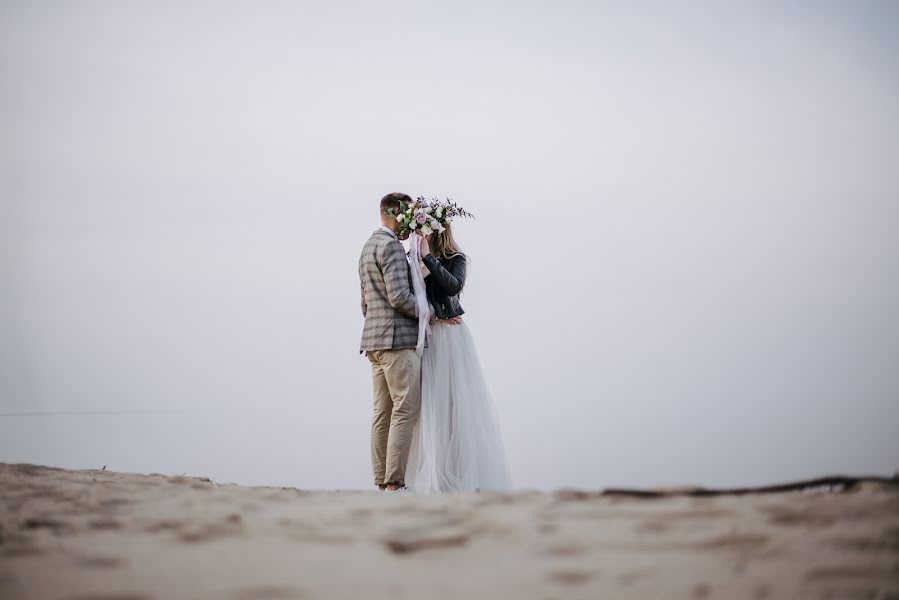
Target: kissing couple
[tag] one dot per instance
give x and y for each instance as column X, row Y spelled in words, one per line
column 434, row 428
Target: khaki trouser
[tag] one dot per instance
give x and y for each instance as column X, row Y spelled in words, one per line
column 396, row 375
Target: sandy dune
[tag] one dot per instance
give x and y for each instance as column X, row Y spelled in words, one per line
column 101, row 535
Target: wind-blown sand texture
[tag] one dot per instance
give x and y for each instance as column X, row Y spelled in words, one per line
column 100, row 535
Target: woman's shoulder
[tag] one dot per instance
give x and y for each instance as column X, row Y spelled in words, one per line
column 456, row 257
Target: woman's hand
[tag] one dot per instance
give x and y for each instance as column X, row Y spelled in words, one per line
column 424, row 248
column 453, row 321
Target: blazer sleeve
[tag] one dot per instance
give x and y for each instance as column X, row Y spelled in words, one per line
column 450, row 281
column 364, row 305
column 395, row 269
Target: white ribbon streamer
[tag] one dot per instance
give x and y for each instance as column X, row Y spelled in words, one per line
column 421, row 298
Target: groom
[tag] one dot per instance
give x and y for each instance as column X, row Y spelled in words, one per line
column 389, row 338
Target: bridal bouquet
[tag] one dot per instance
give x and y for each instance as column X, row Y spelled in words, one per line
column 428, row 216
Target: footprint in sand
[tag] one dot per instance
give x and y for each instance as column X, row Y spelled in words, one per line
column 571, row 577
column 213, row 531
column 42, row 523
column 437, row 530
column 98, row 562
column 105, row 524
column 231, row 525
column 735, row 541
column 798, row 518
column 116, row 502
column 444, row 537
column 653, row 527
column 563, row 548
column 165, row 525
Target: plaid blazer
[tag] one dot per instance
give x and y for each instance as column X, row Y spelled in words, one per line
column 388, row 302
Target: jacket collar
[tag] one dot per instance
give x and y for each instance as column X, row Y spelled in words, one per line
column 389, row 232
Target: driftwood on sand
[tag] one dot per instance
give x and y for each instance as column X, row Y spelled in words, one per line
column 840, row 483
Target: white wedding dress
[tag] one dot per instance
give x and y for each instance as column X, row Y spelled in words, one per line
column 456, row 445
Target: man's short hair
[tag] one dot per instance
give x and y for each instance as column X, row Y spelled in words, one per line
column 395, row 201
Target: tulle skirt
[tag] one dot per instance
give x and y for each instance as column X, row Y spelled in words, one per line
column 456, row 445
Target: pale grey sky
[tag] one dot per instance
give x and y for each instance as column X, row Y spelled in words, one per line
column 685, row 255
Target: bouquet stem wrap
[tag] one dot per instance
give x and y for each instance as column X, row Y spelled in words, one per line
column 421, row 298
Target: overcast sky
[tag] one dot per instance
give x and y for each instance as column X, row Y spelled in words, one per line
column 685, row 265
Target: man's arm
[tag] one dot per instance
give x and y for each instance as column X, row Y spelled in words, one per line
column 395, row 269
column 364, row 305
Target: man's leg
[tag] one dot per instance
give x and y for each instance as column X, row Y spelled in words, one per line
column 402, row 369
column 380, row 423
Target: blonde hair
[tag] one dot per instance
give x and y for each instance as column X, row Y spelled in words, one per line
column 443, row 244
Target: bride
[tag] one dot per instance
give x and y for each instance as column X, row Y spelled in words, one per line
column 456, row 445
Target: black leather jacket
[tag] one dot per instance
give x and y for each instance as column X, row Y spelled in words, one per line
column 445, row 283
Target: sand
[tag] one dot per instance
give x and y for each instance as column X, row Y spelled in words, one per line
column 105, row 535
